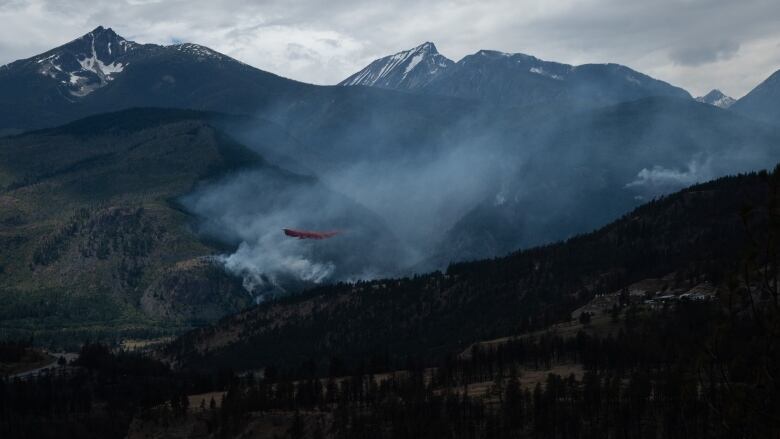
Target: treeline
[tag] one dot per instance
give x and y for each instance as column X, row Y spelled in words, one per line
column 126, row 231
column 697, row 233
column 97, row 397
column 641, row 337
column 12, row 351
column 656, row 379
column 691, row 370
column 57, row 336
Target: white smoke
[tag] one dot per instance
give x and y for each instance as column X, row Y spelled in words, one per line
column 265, row 264
column 421, row 197
column 251, row 209
column 404, row 198
column 659, row 180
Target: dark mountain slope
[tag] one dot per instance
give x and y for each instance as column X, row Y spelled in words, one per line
column 762, row 103
column 90, row 225
column 194, row 77
column 82, row 78
column 696, row 233
column 544, row 172
column 101, row 71
column 579, row 170
column 87, row 222
column 106, row 220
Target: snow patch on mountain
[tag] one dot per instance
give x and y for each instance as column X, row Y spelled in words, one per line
column 96, row 59
column 413, row 63
column 633, row 80
column 81, row 67
column 541, row 71
column 409, row 69
column 202, row 52
column 93, row 64
column 717, row 98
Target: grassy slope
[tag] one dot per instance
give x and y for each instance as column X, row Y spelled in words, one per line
column 87, row 220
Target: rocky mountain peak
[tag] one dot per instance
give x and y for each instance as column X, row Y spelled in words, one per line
column 88, row 62
column 717, row 98
column 409, row 69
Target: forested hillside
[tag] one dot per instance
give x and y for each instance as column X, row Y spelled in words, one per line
column 90, row 226
column 686, row 368
column 694, row 236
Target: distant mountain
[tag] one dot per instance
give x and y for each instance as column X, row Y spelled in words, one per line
column 540, row 175
column 517, row 79
column 73, row 81
column 87, row 63
column 763, row 102
column 716, row 98
column 444, row 177
column 408, row 70
column 686, row 143
column 692, row 239
column 101, row 71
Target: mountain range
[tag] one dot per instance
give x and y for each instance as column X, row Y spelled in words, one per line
column 102, row 71
column 501, row 247
column 518, row 79
column 509, row 78
column 420, row 160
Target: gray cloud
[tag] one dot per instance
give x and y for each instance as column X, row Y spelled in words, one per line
column 668, row 39
column 704, row 54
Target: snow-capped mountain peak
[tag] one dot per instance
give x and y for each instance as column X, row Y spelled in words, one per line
column 86, row 63
column 101, row 61
column 510, row 78
column 717, row 98
column 409, row 69
column 200, row 52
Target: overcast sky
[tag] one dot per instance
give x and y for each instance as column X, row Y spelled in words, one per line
column 696, row 44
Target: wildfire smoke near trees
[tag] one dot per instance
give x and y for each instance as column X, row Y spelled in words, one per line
column 693, row 368
column 494, row 246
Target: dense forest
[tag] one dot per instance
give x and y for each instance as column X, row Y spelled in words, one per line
column 495, row 248
column 684, row 371
column 697, row 235
column 95, row 397
column 687, row 368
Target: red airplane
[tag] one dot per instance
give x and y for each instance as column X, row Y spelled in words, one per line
column 305, row 234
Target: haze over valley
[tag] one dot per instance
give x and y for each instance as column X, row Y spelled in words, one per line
column 240, row 247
